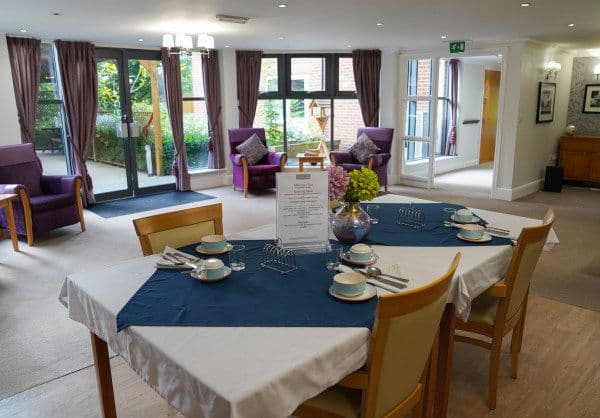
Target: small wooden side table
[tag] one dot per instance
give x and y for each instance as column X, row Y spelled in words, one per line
column 6, row 204
column 310, row 159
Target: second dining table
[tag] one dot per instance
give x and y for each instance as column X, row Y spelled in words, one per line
column 237, row 371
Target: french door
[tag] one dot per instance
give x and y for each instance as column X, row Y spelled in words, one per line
column 418, row 107
column 133, row 146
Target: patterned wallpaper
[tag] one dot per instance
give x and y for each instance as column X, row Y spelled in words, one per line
column 585, row 123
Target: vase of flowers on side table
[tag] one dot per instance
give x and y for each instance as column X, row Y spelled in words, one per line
column 351, row 224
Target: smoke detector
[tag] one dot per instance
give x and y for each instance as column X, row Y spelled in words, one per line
column 241, row 20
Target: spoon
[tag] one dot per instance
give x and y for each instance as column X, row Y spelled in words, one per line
column 376, row 271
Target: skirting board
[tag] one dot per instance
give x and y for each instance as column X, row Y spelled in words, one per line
column 210, row 179
column 517, row 192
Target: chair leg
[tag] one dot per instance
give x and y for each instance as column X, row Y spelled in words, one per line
column 79, row 204
column 514, row 349
column 494, row 369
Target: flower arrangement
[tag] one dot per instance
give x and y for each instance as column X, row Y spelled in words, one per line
column 364, row 185
column 338, row 182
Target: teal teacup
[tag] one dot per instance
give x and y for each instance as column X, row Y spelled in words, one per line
column 212, row 268
column 472, row 231
column 349, row 284
column 463, row 215
column 360, row 252
column 213, row 242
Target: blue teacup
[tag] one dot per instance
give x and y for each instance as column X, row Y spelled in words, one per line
column 213, row 242
column 360, row 252
column 349, row 284
column 472, row 231
column 211, row 268
column 463, row 215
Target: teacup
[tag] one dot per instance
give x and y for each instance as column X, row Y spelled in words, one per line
column 211, row 268
column 463, row 215
column 349, row 284
column 360, row 252
column 472, row 231
column 213, row 242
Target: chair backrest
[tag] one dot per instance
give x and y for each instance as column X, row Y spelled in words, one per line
column 19, row 164
column 239, row 135
column 405, row 328
column 382, row 137
column 525, row 257
column 178, row 228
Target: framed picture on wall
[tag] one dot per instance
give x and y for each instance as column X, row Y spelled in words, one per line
column 546, row 99
column 591, row 99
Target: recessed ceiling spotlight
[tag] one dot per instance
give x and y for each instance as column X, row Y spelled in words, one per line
column 226, row 46
column 571, row 25
column 282, row 5
column 282, row 37
column 55, row 14
column 22, row 30
column 443, row 37
column 379, row 24
column 140, row 39
column 525, row 4
column 349, row 46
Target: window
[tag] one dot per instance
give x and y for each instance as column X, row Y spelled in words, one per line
column 301, row 98
column 418, row 110
column 50, row 131
column 195, row 119
column 444, row 108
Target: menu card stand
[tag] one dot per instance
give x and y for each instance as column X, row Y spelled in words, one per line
column 303, row 211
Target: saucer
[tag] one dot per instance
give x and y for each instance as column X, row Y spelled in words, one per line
column 226, row 273
column 485, row 238
column 346, row 257
column 201, row 250
column 369, row 293
column 474, row 220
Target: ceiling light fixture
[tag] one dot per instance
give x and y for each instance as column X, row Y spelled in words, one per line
column 183, row 43
column 282, row 5
column 443, row 37
column 349, row 46
column 282, row 37
column 571, row 25
column 55, row 14
column 233, row 19
column 552, row 69
column 226, row 46
column 140, row 39
column 525, row 4
column 379, row 24
column 22, row 30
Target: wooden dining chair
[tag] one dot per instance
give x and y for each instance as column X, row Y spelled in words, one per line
column 503, row 306
column 178, row 228
column 391, row 384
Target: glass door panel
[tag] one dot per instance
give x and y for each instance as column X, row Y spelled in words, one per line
column 149, row 127
column 107, row 162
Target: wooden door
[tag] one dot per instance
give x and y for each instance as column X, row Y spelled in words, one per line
column 489, row 116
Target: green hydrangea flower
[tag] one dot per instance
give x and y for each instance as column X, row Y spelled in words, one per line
column 363, row 186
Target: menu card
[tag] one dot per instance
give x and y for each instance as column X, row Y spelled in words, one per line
column 303, row 209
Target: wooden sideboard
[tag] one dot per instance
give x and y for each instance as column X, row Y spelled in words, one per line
column 580, row 157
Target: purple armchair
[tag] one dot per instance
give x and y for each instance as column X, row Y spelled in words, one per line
column 44, row 203
column 382, row 137
column 260, row 175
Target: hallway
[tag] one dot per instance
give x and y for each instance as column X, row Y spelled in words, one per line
column 475, row 180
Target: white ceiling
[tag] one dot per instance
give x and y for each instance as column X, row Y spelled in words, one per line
column 308, row 24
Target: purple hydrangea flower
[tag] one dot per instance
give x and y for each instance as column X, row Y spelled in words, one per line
column 338, row 182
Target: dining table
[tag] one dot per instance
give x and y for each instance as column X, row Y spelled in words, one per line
column 268, row 371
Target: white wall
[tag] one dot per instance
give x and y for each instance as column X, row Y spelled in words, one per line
column 9, row 122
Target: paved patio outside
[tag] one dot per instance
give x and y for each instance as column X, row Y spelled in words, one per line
column 106, row 177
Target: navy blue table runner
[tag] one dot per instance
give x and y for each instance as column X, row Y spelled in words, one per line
column 433, row 234
column 254, row 297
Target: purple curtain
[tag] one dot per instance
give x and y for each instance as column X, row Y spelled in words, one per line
column 172, row 72
column 77, row 65
column 453, row 74
column 248, row 78
column 367, row 72
column 212, row 95
column 25, row 56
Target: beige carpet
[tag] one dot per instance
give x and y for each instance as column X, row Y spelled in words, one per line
column 39, row 344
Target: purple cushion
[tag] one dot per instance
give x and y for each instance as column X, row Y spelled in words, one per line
column 47, row 202
column 28, row 174
column 362, row 148
column 253, row 149
column 260, row 170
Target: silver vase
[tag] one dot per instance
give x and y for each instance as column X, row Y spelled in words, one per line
column 351, row 224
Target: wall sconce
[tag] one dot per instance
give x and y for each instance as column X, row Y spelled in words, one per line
column 597, row 71
column 552, row 69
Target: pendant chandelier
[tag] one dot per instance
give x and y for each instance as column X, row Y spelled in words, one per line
column 184, row 44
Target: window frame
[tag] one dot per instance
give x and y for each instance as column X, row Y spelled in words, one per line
column 285, row 92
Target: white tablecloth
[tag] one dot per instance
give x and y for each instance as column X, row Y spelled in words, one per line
column 262, row 372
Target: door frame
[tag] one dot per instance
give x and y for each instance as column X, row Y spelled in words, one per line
column 443, row 52
column 123, row 55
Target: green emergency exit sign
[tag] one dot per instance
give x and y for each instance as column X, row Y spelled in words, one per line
column 456, row 47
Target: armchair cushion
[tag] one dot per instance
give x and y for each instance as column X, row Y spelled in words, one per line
column 274, row 158
column 380, row 159
column 46, row 202
column 253, row 149
column 27, row 173
column 58, row 184
column 341, row 157
column 362, row 148
column 263, row 169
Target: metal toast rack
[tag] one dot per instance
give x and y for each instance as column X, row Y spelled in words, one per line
column 412, row 217
column 278, row 258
